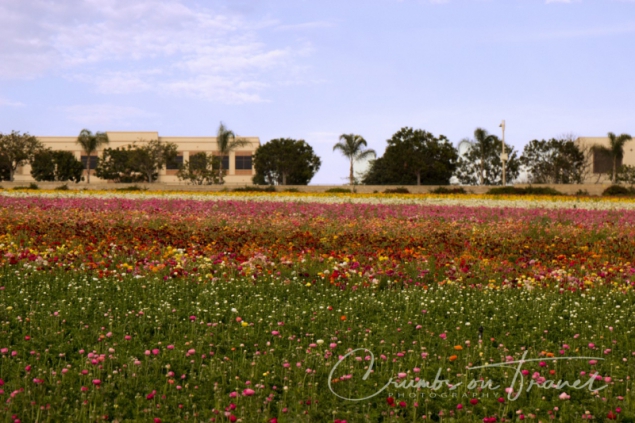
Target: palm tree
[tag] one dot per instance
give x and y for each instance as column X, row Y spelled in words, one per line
column 227, row 142
column 482, row 137
column 90, row 144
column 615, row 150
column 353, row 148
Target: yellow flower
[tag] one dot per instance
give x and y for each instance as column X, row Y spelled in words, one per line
column 244, row 324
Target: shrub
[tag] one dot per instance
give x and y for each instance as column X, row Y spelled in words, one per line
column 445, row 190
column 32, row 185
column 523, row 191
column 338, row 190
column 582, row 192
column 62, row 188
column 617, row 190
column 132, row 188
column 269, row 188
column 292, row 190
column 398, row 190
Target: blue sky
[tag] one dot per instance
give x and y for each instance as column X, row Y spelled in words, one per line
column 316, row 69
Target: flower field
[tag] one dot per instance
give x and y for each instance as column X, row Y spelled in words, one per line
column 314, row 308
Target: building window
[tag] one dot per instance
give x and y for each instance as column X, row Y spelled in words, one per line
column 603, row 162
column 175, row 164
column 93, row 161
column 225, row 161
column 243, row 162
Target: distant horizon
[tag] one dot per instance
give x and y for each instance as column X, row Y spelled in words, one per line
column 316, row 70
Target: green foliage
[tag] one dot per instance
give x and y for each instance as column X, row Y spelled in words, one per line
column 137, row 162
column 615, row 150
column 62, row 188
column 227, row 142
column 481, row 165
column 48, row 165
column 557, row 161
column 414, row 157
column 582, row 192
column 285, row 161
column 270, row 188
column 90, row 143
column 626, row 174
column 453, row 190
column 132, row 188
column 16, row 150
column 352, row 147
column 201, row 169
column 338, row 190
column 618, row 190
column 114, row 165
column 43, row 166
column 398, row 190
column 31, row 186
column 510, row 190
column 291, row 190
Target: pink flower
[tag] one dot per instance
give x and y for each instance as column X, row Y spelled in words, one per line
column 593, row 362
column 248, row 392
column 127, row 337
column 563, row 396
column 155, row 351
column 459, row 407
column 591, row 345
column 443, row 336
column 37, row 381
column 332, row 345
column 192, row 318
column 233, row 394
column 170, row 347
column 275, row 333
column 401, row 375
column 96, row 382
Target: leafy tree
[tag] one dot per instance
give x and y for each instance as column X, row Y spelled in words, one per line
column 352, row 147
column 201, row 169
column 626, row 174
column 48, row 165
column 17, row 150
column 43, row 166
column 90, row 143
column 227, row 142
column 615, row 150
column 414, row 156
column 150, row 157
column 285, row 161
column 114, row 165
column 5, row 168
column 482, row 164
column 557, row 161
column 67, row 167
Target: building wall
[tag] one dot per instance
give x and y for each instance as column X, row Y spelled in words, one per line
column 585, row 144
column 185, row 147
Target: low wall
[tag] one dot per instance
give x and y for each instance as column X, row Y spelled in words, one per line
column 592, row 189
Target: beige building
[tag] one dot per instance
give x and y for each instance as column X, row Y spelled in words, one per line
column 600, row 165
column 239, row 162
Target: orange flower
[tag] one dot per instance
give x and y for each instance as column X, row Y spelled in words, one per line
column 453, row 357
column 458, row 348
column 343, row 318
column 550, row 354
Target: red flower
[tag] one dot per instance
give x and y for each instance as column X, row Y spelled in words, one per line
column 403, row 404
column 611, row 416
column 233, row 418
column 390, row 401
column 473, row 401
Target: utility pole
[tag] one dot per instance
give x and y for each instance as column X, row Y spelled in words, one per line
column 503, row 154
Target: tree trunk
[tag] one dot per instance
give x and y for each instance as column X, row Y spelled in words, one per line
column 220, row 171
column 88, row 169
column 418, row 178
column 615, row 169
column 11, row 173
column 284, row 178
column 351, row 176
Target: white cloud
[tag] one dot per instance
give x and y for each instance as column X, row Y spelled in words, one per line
column 104, row 114
column 124, row 46
column 8, row 103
